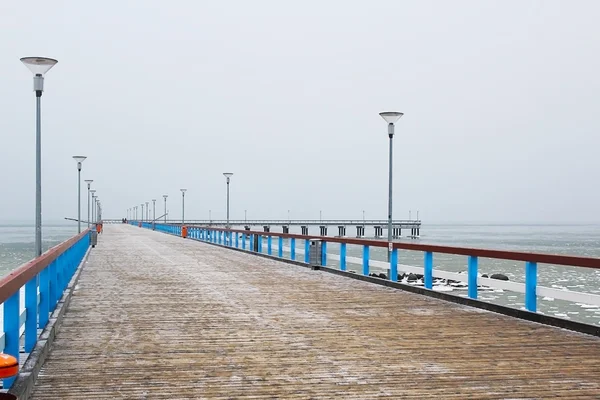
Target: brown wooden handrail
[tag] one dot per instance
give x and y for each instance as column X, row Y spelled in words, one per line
column 12, row 282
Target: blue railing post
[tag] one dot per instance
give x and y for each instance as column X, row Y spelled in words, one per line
column 428, row 273
column 394, row 265
column 244, row 241
column 531, row 286
column 324, row 253
column 260, row 243
column 472, row 276
column 269, row 245
column 52, row 294
column 31, row 314
column 280, row 247
column 342, row 256
column 293, row 249
column 11, row 330
column 237, row 240
column 365, row 260
column 306, row 251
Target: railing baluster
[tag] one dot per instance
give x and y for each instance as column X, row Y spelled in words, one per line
column 293, row 249
column 306, row 251
column 260, row 241
column 31, row 313
column 531, row 286
column 269, row 245
column 11, row 330
column 237, row 240
column 324, row 253
column 53, row 291
column 342, row 256
column 244, row 241
column 394, row 265
column 280, row 247
column 365, row 260
column 428, row 273
column 472, row 276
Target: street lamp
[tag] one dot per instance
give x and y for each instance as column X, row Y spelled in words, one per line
column 93, row 195
column 183, row 206
column 390, row 118
column 147, row 212
column 79, row 159
column 153, row 210
column 165, row 197
column 228, row 175
column 142, row 213
column 39, row 66
column 89, row 183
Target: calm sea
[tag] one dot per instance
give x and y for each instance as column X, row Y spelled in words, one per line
column 16, row 247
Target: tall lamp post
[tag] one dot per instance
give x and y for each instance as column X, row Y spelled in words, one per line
column 228, row 176
column 147, row 212
column 165, row 197
column 89, row 184
column 93, row 196
column 39, row 66
column 390, row 118
column 80, row 160
column 142, row 212
column 153, row 210
column 183, row 206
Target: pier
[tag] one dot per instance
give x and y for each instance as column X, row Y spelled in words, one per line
column 149, row 314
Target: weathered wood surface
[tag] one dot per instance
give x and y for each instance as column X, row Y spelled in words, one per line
column 160, row 317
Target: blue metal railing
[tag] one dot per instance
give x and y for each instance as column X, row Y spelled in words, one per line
column 473, row 280
column 44, row 281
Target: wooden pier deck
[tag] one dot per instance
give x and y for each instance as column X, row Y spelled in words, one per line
column 158, row 317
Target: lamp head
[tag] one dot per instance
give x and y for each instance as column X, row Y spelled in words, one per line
column 391, row 116
column 39, row 65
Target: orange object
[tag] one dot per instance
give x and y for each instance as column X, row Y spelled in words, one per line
column 184, row 232
column 9, row 366
column 99, row 228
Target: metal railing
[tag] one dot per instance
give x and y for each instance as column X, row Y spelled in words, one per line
column 531, row 260
column 41, row 282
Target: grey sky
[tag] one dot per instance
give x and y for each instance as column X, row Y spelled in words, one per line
column 500, row 98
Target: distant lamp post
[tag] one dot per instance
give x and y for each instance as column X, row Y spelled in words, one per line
column 165, row 197
column 89, row 184
column 39, row 66
column 147, row 211
column 92, row 195
column 228, row 176
column 80, row 160
column 390, row 118
column 183, row 205
column 142, row 212
column 153, row 211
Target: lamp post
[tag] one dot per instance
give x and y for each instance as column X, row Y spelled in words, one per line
column 80, row 160
column 39, row 66
column 89, row 183
column 142, row 213
column 183, row 206
column 135, row 213
column 228, row 176
column 153, row 210
column 92, row 196
column 390, row 118
column 147, row 211
column 245, row 215
column 165, row 197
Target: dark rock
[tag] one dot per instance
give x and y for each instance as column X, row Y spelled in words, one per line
column 419, row 276
column 501, row 277
column 412, row 277
column 373, row 274
column 383, row 276
column 484, row 275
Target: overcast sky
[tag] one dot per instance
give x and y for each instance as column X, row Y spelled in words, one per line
column 501, row 103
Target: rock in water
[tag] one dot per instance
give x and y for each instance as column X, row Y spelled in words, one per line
column 383, row 276
column 484, row 275
column 500, row 277
column 412, row 277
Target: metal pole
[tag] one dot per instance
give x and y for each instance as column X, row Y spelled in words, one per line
column 245, row 215
column 228, row 202
column 165, row 197
column 88, row 201
column 78, row 197
column 182, row 208
column 153, row 210
column 142, row 213
column 38, row 174
column 391, row 136
column 147, row 212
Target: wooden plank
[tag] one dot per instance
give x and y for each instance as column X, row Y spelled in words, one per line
column 156, row 316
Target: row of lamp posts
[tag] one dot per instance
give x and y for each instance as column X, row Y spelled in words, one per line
column 39, row 66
